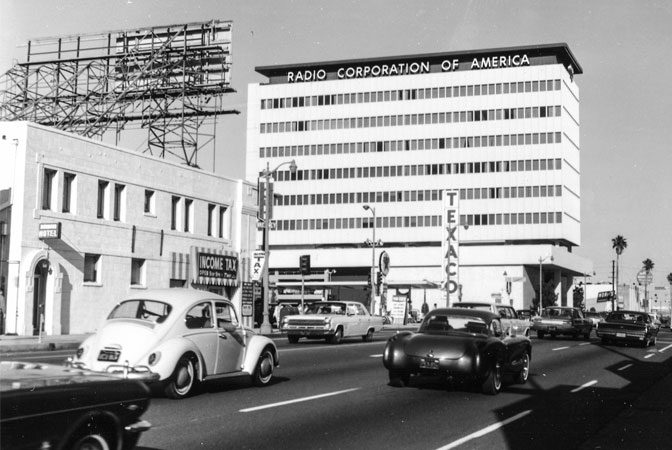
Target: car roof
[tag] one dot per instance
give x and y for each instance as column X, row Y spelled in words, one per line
column 174, row 296
column 486, row 316
column 560, row 307
column 476, row 303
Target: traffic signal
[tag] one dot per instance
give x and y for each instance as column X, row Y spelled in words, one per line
column 379, row 282
column 304, row 263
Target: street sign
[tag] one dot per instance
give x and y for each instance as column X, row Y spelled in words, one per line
column 258, row 261
column 644, row 278
column 384, row 263
column 247, row 299
column 49, row 231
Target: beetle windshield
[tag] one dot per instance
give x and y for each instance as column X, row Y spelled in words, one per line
column 450, row 322
column 149, row 310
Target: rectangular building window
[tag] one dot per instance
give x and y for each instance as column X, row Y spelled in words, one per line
column 137, row 272
column 150, row 202
column 91, row 268
column 211, row 218
column 69, row 193
column 188, row 215
column 224, row 222
column 174, row 212
column 102, row 207
column 119, row 202
column 48, row 189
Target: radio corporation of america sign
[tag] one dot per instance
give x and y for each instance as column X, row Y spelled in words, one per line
column 217, row 266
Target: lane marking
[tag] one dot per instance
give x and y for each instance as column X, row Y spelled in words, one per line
column 625, row 367
column 330, row 346
column 298, row 400
column 484, row 431
column 585, row 343
column 583, row 386
column 376, row 356
column 649, row 355
column 560, row 348
column 666, row 348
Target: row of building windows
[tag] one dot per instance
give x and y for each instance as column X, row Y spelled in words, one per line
column 412, row 94
column 336, row 198
column 522, row 218
column 479, row 115
column 495, row 140
column 522, row 165
column 111, row 204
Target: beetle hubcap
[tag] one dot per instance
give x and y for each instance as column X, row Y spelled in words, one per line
column 266, row 368
column 185, row 377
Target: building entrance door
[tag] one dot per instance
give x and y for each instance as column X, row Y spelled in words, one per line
column 39, row 295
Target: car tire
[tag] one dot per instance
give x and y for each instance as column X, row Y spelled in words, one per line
column 181, row 383
column 553, row 335
column 337, row 337
column 493, row 382
column 94, row 435
column 540, row 334
column 605, row 341
column 399, row 378
column 586, row 336
column 91, row 442
column 293, row 339
column 263, row 371
column 523, row 375
column 653, row 340
column 368, row 337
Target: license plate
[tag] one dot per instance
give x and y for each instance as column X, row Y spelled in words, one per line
column 108, row 355
column 429, row 363
column 620, row 335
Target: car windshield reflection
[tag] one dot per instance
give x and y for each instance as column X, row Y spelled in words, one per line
column 444, row 322
column 556, row 312
column 326, row 308
column 147, row 310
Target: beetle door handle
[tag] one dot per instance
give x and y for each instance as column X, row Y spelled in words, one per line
column 223, row 335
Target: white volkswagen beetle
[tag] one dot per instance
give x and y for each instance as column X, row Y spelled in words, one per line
column 178, row 337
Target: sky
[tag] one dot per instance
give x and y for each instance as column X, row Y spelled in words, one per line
column 623, row 46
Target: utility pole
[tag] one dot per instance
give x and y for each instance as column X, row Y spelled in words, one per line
column 613, row 280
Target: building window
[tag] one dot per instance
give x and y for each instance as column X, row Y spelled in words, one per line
column 211, row 218
column 91, row 268
column 102, row 198
column 188, row 211
column 119, row 202
column 48, row 189
column 69, row 193
column 224, row 222
column 137, row 272
column 150, row 202
column 174, row 212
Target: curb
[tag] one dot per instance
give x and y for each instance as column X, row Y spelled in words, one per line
column 31, row 347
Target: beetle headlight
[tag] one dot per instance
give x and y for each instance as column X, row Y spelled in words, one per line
column 154, row 358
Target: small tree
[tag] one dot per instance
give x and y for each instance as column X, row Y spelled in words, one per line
column 548, row 295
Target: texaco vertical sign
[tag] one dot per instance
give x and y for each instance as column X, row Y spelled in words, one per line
column 450, row 239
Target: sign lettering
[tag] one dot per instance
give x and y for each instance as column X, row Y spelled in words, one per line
column 217, row 266
column 450, row 263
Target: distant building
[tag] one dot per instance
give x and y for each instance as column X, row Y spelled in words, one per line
column 87, row 223
column 498, row 126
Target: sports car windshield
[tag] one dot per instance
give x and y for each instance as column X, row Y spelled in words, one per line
column 148, row 310
column 443, row 322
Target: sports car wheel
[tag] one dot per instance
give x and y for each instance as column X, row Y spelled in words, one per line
column 264, row 370
column 183, row 379
column 91, row 442
column 493, row 382
column 540, row 334
column 399, row 378
column 292, row 339
column 522, row 376
column 337, row 337
column 368, row 337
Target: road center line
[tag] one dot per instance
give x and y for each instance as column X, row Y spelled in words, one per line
column 649, row 355
column 583, row 386
column 298, row 400
column 625, row 367
column 665, row 348
column 485, row 431
column 376, row 356
column 560, row 348
column 585, row 343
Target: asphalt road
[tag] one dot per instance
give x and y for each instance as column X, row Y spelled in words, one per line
column 337, row 397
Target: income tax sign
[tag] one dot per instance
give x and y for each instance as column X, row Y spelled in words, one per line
column 450, row 239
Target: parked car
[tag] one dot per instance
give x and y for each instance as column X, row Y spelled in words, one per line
column 628, row 326
column 177, row 337
column 462, row 344
column 48, row 406
column 333, row 321
column 565, row 320
column 513, row 324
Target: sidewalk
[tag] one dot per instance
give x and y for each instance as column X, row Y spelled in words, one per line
column 13, row 344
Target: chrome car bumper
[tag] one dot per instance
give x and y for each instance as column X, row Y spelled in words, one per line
column 141, row 373
column 138, row 427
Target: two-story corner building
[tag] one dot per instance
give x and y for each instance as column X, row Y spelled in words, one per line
column 86, row 223
column 498, row 127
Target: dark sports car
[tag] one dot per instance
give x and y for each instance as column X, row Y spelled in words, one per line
column 628, row 326
column 459, row 344
column 48, row 406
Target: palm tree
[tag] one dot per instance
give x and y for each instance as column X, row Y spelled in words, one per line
column 619, row 244
column 648, row 267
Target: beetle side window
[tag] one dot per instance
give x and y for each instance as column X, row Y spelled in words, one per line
column 225, row 314
column 199, row 316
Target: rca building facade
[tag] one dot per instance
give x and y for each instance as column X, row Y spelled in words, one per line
column 468, row 163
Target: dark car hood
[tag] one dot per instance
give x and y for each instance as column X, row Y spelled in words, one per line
column 16, row 375
column 442, row 346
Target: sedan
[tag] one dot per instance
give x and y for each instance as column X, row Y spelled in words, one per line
column 565, row 320
column 47, row 406
column 628, row 326
column 177, row 338
column 461, row 344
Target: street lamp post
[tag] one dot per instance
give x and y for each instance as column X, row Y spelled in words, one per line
column 267, row 174
column 373, row 244
column 541, row 279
